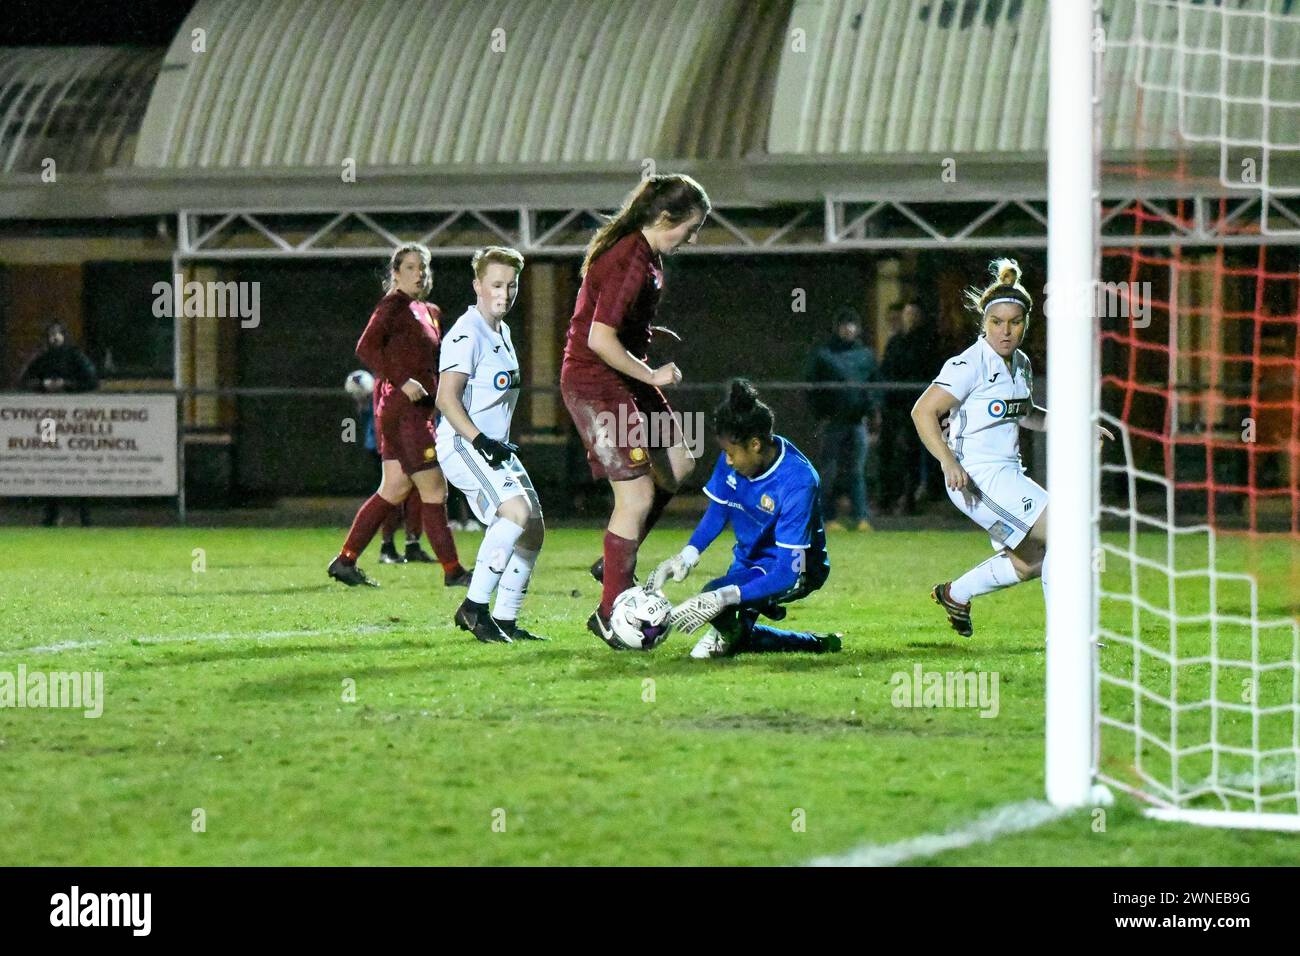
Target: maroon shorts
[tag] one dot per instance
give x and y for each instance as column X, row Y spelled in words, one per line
column 405, row 433
column 620, row 426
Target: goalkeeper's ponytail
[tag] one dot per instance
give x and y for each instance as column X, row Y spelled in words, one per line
column 742, row 416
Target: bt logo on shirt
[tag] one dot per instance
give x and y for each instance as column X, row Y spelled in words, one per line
column 1014, row 408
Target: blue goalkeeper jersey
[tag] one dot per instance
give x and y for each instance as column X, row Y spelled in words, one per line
column 774, row 514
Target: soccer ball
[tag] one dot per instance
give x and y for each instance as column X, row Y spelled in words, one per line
column 359, row 384
column 639, row 619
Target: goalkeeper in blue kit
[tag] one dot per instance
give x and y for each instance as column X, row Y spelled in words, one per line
column 767, row 490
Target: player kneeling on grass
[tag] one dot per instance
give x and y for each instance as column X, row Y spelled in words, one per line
column 768, row 490
column 478, row 388
column 986, row 393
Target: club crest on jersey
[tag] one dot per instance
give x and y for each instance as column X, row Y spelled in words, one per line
column 767, row 504
column 504, row 380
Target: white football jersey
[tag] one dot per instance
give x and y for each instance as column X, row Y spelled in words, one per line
column 488, row 358
column 985, row 428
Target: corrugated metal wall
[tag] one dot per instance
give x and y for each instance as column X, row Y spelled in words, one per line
column 402, row 83
column 80, row 106
column 407, row 82
column 952, row 76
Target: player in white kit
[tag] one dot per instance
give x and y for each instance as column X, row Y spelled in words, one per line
column 986, row 394
column 478, row 388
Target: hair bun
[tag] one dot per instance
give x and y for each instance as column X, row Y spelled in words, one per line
column 743, row 395
column 1007, row 271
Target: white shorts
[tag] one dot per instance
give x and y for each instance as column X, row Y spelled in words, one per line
column 1004, row 501
column 485, row 487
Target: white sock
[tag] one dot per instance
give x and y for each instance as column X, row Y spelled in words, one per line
column 992, row 575
column 514, row 585
column 493, row 556
column 1043, row 574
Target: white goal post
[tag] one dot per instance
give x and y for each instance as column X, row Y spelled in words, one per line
column 1170, row 676
column 1071, row 401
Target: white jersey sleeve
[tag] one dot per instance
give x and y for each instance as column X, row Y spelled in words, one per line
column 460, row 348
column 960, row 376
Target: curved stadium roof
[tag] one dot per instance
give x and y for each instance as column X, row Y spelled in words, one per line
column 395, row 83
column 774, row 100
column 81, row 106
column 943, row 77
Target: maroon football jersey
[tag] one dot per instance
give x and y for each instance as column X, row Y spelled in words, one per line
column 621, row 289
column 401, row 341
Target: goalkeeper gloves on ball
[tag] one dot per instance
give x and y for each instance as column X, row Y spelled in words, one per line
column 676, row 568
column 694, row 613
column 495, row 453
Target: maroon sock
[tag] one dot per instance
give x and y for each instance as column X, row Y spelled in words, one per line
column 444, row 545
column 657, row 506
column 391, row 521
column 369, row 517
column 414, row 510
column 620, row 565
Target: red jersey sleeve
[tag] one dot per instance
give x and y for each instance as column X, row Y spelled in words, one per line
column 372, row 346
column 620, row 285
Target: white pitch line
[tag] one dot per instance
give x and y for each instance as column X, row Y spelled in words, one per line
column 1000, row 821
column 185, row 638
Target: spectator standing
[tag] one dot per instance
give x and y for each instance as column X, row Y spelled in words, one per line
column 842, row 414
column 912, row 354
column 61, row 368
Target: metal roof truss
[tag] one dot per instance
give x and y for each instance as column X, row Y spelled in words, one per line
column 838, row 224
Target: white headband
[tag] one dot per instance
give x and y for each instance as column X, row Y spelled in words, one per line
column 1005, row 298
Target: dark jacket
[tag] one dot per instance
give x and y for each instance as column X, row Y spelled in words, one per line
column 913, row 356
column 64, row 361
column 840, row 361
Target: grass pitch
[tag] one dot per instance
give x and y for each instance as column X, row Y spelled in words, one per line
column 226, row 737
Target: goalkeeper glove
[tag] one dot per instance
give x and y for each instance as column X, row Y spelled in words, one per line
column 495, row 453
column 676, row 567
column 694, row 613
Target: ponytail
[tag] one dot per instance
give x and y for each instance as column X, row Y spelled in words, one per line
column 742, row 416
column 1005, row 285
column 676, row 197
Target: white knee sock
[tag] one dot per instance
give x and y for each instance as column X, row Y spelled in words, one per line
column 514, row 584
column 1043, row 574
column 992, row 575
column 493, row 556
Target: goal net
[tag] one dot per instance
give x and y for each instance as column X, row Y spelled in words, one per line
column 1198, row 517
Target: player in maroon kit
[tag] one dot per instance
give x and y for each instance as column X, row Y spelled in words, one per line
column 607, row 385
column 400, row 344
